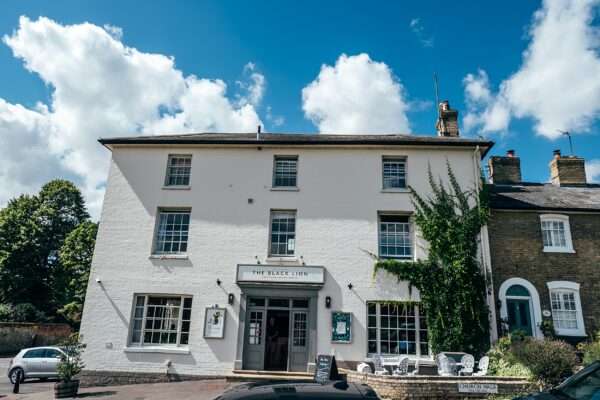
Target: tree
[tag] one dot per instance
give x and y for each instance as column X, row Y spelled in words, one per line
column 450, row 282
column 32, row 230
column 73, row 271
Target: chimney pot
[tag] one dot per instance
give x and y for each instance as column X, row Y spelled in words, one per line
column 510, row 153
column 447, row 122
column 556, row 153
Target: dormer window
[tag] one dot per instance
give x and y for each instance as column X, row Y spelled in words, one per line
column 556, row 233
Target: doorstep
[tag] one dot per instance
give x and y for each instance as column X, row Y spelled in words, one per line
column 239, row 375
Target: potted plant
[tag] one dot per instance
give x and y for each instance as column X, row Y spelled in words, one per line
column 69, row 366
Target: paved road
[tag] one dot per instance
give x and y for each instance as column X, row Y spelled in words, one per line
column 29, row 386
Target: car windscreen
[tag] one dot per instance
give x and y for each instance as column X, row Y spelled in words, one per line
column 585, row 388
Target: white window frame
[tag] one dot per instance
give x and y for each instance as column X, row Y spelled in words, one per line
column 168, row 169
column 284, row 157
column 418, row 341
column 568, row 248
column 270, row 244
column 411, row 235
column 155, row 242
column 394, row 158
column 573, row 287
column 141, row 344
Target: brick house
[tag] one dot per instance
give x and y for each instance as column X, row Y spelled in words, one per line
column 545, row 248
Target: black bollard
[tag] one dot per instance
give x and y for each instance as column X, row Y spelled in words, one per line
column 17, row 382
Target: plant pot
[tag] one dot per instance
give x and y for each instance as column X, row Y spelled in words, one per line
column 64, row 390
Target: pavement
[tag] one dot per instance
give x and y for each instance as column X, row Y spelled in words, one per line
column 36, row 389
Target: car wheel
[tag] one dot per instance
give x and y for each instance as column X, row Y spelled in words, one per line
column 14, row 373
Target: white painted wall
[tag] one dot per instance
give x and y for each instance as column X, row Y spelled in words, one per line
column 337, row 204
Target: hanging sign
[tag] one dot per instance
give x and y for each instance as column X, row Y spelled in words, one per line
column 326, row 369
column 280, row 274
column 341, row 327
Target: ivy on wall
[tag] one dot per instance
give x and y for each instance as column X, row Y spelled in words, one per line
column 450, row 281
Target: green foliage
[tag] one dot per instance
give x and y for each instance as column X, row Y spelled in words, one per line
column 32, row 231
column 22, row 312
column 73, row 271
column 5, row 312
column 71, row 362
column 547, row 328
column 545, row 361
column 450, row 282
column 591, row 350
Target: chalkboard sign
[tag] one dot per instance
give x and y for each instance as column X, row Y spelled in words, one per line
column 326, row 369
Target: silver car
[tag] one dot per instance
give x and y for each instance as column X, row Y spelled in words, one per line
column 35, row 362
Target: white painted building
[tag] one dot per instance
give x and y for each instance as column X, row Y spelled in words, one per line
column 263, row 240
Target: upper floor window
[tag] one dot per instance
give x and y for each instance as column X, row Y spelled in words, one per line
column 556, row 233
column 161, row 320
column 395, row 236
column 283, row 233
column 394, row 172
column 172, row 231
column 178, row 170
column 285, row 172
column 567, row 315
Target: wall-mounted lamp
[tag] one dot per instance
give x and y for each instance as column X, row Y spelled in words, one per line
column 328, row 302
column 350, row 286
column 230, row 298
column 218, row 282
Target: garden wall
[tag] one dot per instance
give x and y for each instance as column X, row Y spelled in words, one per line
column 439, row 387
column 15, row 336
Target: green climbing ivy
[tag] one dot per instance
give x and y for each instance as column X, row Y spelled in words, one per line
column 450, row 281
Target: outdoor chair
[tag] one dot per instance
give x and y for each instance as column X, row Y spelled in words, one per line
column 416, row 370
column 482, row 366
column 402, row 368
column 446, row 366
column 468, row 363
column 379, row 368
column 364, row 368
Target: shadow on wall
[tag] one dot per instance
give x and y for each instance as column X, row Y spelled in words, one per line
column 222, row 349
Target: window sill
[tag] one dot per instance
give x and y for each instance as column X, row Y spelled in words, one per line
column 285, row 189
column 166, row 350
column 168, row 257
column 175, row 187
column 282, row 259
column 555, row 250
column 395, row 190
column 571, row 333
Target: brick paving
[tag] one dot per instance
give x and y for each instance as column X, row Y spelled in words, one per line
column 197, row 390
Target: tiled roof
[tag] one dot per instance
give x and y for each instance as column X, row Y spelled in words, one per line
column 545, row 196
column 298, row 139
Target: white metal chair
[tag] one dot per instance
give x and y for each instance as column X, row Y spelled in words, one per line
column 379, row 368
column 468, row 363
column 482, row 366
column 364, row 368
column 416, row 370
column 402, row 368
column 446, row 366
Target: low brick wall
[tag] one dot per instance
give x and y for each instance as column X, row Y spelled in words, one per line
column 114, row 378
column 435, row 387
column 15, row 336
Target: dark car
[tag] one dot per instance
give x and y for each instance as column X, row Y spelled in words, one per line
column 584, row 385
column 301, row 390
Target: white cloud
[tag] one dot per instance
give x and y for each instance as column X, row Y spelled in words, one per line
column 254, row 85
column 275, row 120
column 557, row 83
column 592, row 171
column 416, row 26
column 101, row 88
column 357, row 95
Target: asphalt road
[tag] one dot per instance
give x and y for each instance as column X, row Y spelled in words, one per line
column 29, row 386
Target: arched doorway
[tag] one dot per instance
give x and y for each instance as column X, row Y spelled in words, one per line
column 520, row 306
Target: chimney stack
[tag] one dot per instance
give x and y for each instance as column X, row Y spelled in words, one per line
column 567, row 170
column 505, row 169
column 447, row 122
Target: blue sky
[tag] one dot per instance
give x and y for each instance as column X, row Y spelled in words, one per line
column 286, row 44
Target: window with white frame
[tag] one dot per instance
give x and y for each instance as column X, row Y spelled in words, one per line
column 397, row 328
column 179, row 168
column 556, row 233
column 161, row 320
column 565, row 303
column 172, row 231
column 285, row 171
column 395, row 239
column 394, row 172
column 283, row 233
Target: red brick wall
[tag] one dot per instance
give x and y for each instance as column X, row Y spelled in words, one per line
column 516, row 249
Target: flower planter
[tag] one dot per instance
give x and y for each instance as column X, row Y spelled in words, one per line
column 64, row 390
